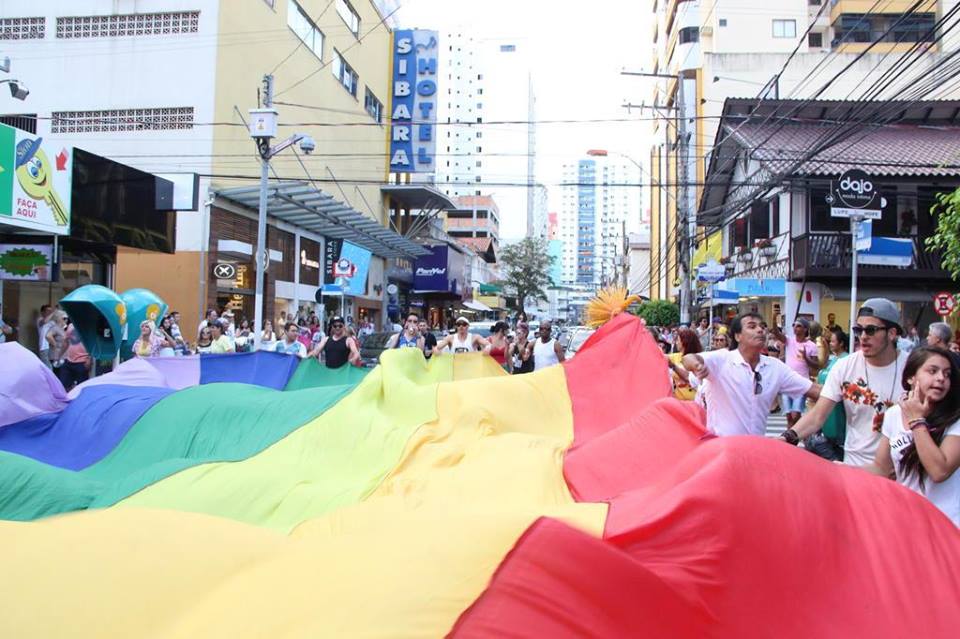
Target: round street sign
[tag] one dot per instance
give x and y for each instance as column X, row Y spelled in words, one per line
column 943, row 304
column 224, row 271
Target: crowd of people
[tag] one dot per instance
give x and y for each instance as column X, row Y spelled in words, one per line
column 889, row 403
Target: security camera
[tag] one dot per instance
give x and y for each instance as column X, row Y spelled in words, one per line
column 18, row 91
column 307, row 145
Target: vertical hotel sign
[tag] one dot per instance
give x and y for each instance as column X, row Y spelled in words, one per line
column 35, row 181
column 414, row 93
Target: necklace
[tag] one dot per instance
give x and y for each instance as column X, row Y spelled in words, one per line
column 881, row 406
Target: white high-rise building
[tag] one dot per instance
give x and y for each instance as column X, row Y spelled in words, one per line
column 486, row 143
column 598, row 204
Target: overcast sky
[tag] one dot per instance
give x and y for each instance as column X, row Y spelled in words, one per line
column 577, row 52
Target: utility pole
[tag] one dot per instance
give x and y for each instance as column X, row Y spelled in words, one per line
column 686, row 222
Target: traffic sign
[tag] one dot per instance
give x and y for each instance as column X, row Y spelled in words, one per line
column 224, row 271
column 855, row 195
column 943, row 304
column 864, row 239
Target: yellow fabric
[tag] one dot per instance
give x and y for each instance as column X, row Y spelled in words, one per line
column 405, row 561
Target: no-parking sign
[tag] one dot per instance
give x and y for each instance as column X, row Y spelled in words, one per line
column 943, row 304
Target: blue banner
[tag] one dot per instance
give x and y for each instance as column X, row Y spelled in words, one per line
column 430, row 273
column 346, row 268
column 413, row 104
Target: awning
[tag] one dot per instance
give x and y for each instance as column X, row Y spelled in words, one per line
column 417, row 197
column 709, row 249
column 477, row 306
column 303, row 205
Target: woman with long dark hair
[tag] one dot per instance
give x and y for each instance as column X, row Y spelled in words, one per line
column 920, row 445
column 687, row 343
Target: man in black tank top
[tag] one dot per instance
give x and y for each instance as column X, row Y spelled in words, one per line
column 337, row 347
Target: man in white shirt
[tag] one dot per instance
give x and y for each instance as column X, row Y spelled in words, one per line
column 744, row 383
column 867, row 382
column 290, row 344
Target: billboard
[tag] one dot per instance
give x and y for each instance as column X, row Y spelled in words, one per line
column 413, row 103
column 436, row 272
column 35, row 182
column 26, row 262
column 345, row 268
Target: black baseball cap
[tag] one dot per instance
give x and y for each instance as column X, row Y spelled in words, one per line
column 337, row 318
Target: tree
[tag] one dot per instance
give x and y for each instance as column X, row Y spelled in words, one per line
column 526, row 269
column 947, row 236
column 659, row 313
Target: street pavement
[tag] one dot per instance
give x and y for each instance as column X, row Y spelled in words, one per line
column 776, row 424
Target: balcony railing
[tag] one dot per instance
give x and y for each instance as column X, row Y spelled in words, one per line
column 828, row 254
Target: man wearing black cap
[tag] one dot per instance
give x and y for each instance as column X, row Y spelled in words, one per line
column 337, row 347
column 867, row 382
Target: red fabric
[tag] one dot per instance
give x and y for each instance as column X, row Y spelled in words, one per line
column 722, row 537
column 620, row 459
column 617, row 372
column 560, row 582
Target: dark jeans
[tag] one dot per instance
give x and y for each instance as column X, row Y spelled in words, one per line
column 822, row 446
column 72, row 374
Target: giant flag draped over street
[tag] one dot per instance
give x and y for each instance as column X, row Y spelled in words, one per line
column 245, row 496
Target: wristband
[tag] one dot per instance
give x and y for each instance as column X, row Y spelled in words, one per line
column 790, row 436
column 916, row 423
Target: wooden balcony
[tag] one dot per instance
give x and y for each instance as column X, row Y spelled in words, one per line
column 827, row 255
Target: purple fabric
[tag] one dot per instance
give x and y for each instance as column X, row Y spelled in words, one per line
column 158, row 372
column 27, row 387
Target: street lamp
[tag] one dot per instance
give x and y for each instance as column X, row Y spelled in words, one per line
column 263, row 128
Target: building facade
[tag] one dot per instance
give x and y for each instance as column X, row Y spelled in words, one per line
column 728, row 48
column 165, row 87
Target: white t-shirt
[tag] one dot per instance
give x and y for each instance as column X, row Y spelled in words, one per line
column 732, row 406
column 866, row 392
column 296, row 348
column 944, row 495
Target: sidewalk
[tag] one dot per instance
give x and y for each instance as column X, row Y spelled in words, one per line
column 776, row 424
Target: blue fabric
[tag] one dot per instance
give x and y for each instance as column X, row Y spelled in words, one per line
column 262, row 368
column 86, row 430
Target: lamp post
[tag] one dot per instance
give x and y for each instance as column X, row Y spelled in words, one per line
column 263, row 128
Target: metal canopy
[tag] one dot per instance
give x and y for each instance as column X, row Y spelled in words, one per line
column 307, row 207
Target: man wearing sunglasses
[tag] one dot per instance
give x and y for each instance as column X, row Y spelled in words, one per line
column 867, row 382
column 744, row 382
column 462, row 341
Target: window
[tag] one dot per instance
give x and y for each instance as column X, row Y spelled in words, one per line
column 723, row 22
column 121, row 120
column 373, row 106
column 784, row 28
column 344, row 73
column 301, row 24
column 23, row 28
column 24, row 122
column 351, row 17
column 507, row 48
column 815, row 40
column 129, row 24
column 689, row 34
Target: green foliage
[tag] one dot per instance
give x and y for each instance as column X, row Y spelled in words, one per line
column 526, row 269
column 947, row 236
column 658, row 313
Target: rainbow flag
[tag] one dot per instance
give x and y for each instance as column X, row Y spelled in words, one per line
column 446, row 498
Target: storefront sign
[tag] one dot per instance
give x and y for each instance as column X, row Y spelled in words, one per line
column 224, row 271
column 753, row 287
column 346, row 267
column 712, row 272
column 26, row 262
column 855, row 194
column 35, row 182
column 430, row 271
column 412, row 135
column 309, row 262
column 888, row 251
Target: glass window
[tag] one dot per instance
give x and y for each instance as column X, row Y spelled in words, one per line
column 344, row 73
column 373, row 106
column 349, row 16
column 784, row 28
column 689, row 34
column 301, row 24
column 815, row 40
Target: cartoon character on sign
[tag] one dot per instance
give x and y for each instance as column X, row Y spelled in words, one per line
column 35, row 174
column 344, row 268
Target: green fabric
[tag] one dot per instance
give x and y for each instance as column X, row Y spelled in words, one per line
column 311, row 373
column 835, row 426
column 334, row 461
column 205, row 423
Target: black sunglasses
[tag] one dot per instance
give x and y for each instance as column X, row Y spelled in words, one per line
column 757, row 386
column 869, row 330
